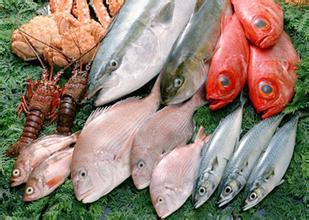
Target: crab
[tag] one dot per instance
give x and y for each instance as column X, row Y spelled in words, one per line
column 67, row 33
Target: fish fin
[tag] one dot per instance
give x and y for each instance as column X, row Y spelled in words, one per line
column 201, row 134
column 269, row 173
column 243, row 166
column 125, row 151
column 282, row 181
column 214, row 164
column 166, row 14
column 198, row 5
column 54, row 181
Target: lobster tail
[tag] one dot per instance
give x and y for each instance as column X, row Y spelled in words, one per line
column 66, row 115
column 33, row 125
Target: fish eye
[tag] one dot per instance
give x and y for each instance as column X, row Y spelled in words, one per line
column 114, row 64
column 228, row 189
column 29, row 190
column 160, row 199
column 225, row 82
column 253, row 196
column 266, row 89
column 202, row 190
column 16, row 173
column 83, row 173
column 177, row 82
column 260, row 23
column 140, row 164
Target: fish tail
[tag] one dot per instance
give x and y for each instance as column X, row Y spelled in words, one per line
column 155, row 92
column 199, row 98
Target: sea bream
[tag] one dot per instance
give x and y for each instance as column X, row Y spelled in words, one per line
column 221, row 146
column 243, row 160
column 49, row 175
column 187, row 66
column 136, row 46
column 173, row 178
column 36, row 152
column 271, row 167
column 102, row 153
column 161, row 133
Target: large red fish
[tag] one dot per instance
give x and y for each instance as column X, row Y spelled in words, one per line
column 271, row 76
column 262, row 20
column 228, row 69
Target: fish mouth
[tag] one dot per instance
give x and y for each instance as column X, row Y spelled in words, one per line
column 224, row 200
column 92, row 92
column 198, row 204
column 263, row 42
column 215, row 104
column 83, row 197
column 15, row 183
column 247, row 206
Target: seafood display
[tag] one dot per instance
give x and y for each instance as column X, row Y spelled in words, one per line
column 215, row 155
column 159, row 134
column 61, row 37
column 187, row 66
column 271, row 167
column 173, row 178
column 271, row 76
column 262, row 21
column 228, row 70
column 137, row 46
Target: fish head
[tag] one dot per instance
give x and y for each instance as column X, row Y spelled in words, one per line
column 180, row 82
column 142, row 163
column 20, row 173
column 164, row 199
column 271, row 88
column 263, row 23
column 256, row 194
column 231, row 188
column 206, row 185
column 34, row 189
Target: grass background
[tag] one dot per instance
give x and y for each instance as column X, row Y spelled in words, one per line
column 288, row 201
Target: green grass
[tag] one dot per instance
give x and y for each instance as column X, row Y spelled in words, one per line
column 288, row 201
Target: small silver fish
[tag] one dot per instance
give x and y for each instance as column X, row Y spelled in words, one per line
column 249, row 150
column 271, row 167
column 214, row 159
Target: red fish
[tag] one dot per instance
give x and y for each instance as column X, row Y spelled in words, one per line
column 228, row 69
column 271, row 76
column 262, row 21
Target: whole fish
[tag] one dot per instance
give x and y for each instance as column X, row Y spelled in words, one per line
column 271, row 167
column 101, row 158
column 271, row 76
column 219, row 149
column 243, row 160
column 228, row 68
column 161, row 133
column 187, row 66
column 173, row 178
column 49, row 175
column 36, row 152
column 136, row 47
column 262, row 21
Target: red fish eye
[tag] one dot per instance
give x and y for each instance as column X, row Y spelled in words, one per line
column 261, row 23
column 266, row 89
column 224, row 81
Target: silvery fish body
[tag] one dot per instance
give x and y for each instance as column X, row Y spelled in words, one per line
column 214, row 159
column 187, row 66
column 271, row 167
column 136, row 47
column 249, row 150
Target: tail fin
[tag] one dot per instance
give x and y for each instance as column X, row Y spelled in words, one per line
column 155, row 92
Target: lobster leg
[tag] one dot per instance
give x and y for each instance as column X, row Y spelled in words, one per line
column 114, row 6
column 23, row 107
column 102, row 13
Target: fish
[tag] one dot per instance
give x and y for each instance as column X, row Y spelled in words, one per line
column 262, row 21
column 101, row 157
column 271, row 76
column 239, row 167
column 38, row 151
column 271, row 167
column 187, row 66
column 161, row 133
column 173, row 178
column 214, row 158
column 229, row 66
column 49, row 175
column 136, row 46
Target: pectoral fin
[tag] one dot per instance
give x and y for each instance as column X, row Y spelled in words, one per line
column 269, row 173
column 214, row 164
column 166, row 14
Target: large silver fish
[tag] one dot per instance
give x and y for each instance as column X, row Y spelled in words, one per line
column 187, row 66
column 271, row 167
column 102, row 153
column 249, row 150
column 161, row 133
column 173, row 178
column 214, row 159
column 136, row 47
column 36, row 152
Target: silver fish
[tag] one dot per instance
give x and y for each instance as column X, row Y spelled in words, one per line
column 49, row 175
column 136, row 47
column 102, row 153
column 271, row 167
column 214, row 159
column 36, row 152
column 187, row 66
column 161, row 133
column 173, row 178
column 249, row 150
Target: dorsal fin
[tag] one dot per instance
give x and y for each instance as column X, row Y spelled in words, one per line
column 96, row 113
